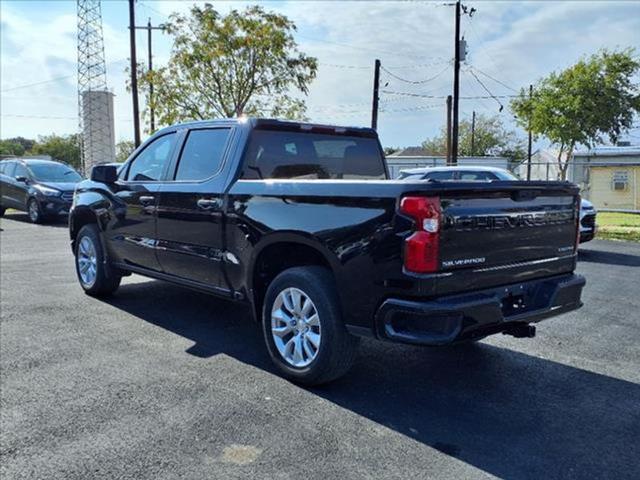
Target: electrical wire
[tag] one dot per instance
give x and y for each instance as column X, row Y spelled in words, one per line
column 419, row 95
column 414, row 82
column 487, row 90
column 476, row 69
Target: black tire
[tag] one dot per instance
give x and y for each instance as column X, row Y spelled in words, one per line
column 107, row 279
column 34, row 212
column 2, row 210
column 337, row 349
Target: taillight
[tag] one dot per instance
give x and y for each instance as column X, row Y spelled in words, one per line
column 421, row 248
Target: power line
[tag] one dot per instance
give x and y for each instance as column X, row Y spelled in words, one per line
column 415, row 82
column 56, row 79
column 492, row 78
column 418, row 95
column 486, row 89
column 27, row 85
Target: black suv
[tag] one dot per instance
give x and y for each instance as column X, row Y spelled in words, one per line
column 42, row 188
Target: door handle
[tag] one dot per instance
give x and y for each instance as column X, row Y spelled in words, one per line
column 208, row 204
column 146, row 199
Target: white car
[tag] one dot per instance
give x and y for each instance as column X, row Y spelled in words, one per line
column 588, row 212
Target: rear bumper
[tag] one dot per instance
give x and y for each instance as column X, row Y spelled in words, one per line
column 473, row 315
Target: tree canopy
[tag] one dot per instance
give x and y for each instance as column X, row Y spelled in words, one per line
column 594, row 100
column 491, row 138
column 244, row 62
column 65, row 148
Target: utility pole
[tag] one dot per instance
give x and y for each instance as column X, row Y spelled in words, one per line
column 473, row 133
column 530, row 139
column 134, row 73
column 456, row 88
column 149, row 28
column 449, row 130
column 376, row 96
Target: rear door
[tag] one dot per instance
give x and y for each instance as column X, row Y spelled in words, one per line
column 190, row 210
column 6, row 184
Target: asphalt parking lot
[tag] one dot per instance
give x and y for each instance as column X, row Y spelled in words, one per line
column 160, row 382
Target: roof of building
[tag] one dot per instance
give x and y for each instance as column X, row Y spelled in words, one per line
column 609, row 151
column 476, row 168
column 411, row 152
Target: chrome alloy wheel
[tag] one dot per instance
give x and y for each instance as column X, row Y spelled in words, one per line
column 87, row 261
column 295, row 327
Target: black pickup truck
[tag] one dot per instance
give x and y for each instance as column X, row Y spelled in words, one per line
column 302, row 222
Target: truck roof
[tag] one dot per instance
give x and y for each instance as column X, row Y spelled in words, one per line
column 285, row 125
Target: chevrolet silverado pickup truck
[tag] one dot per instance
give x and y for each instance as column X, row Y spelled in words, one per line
column 301, row 222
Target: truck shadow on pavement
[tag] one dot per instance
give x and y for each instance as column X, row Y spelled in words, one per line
column 507, row 413
column 609, row 258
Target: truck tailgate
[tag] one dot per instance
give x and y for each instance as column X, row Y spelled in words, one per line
column 484, row 229
column 503, row 233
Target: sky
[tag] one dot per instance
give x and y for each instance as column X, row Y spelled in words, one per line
column 509, row 44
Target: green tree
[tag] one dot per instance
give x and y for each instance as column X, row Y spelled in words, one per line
column 593, row 100
column 245, row 62
column 490, row 138
column 124, row 149
column 11, row 147
column 65, row 148
column 27, row 143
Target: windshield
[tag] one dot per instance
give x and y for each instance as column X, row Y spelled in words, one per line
column 54, row 172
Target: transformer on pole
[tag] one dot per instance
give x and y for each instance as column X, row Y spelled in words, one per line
column 95, row 101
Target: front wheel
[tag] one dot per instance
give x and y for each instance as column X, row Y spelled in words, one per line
column 303, row 328
column 96, row 276
column 34, row 212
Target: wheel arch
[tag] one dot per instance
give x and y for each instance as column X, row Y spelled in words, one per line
column 280, row 252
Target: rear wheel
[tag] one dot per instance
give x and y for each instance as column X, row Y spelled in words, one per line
column 303, row 328
column 96, row 276
column 2, row 210
column 34, row 211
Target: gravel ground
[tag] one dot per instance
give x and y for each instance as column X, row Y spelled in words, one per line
column 159, row 382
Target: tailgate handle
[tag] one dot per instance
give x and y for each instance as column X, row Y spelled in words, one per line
column 523, row 195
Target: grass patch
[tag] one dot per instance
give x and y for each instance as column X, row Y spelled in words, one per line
column 618, row 226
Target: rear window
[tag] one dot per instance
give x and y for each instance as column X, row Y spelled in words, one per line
column 302, row 155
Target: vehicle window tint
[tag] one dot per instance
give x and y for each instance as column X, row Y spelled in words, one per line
column 3, row 166
column 20, row 171
column 440, row 176
column 149, row 165
column 202, row 154
column 308, row 155
column 476, row 176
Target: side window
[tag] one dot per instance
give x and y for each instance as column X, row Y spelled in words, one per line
column 8, row 169
column 202, row 154
column 21, row 171
column 440, row 176
column 3, row 166
column 476, row 176
column 149, row 165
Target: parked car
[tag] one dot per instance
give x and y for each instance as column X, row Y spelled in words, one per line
column 588, row 212
column 301, row 222
column 42, row 188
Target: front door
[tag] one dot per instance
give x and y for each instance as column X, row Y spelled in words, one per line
column 190, row 211
column 133, row 238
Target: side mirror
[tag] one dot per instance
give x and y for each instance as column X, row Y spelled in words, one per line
column 104, row 173
column 22, row 179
